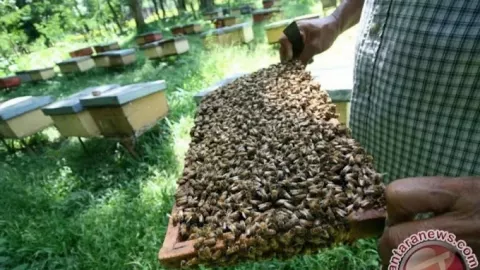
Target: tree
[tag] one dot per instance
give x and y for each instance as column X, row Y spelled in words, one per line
column 136, row 9
column 206, row 4
column 115, row 16
column 162, row 6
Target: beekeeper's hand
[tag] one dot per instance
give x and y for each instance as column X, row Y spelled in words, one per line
column 318, row 35
column 455, row 203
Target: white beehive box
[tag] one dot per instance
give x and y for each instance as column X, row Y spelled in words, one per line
column 77, row 64
column 166, row 47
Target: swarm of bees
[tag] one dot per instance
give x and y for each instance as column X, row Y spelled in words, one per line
column 270, row 171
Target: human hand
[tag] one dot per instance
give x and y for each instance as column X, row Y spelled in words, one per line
column 318, row 35
column 455, row 203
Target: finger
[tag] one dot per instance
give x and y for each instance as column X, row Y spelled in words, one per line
column 306, row 56
column 286, row 52
column 395, row 235
column 411, row 196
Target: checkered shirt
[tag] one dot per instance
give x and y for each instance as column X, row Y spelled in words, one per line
column 416, row 98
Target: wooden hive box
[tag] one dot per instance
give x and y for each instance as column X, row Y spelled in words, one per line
column 81, row 52
column 162, row 48
column 77, row 64
column 264, row 14
column 22, row 117
column 112, row 46
column 236, row 34
column 236, row 11
column 10, row 82
column 121, row 57
column 192, row 28
column 177, row 30
column 275, row 30
column 71, row 118
column 210, row 15
column 226, row 21
column 129, row 110
column 41, row 74
column 24, row 76
column 148, row 37
column 268, row 3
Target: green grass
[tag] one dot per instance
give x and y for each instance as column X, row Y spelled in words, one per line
column 63, row 208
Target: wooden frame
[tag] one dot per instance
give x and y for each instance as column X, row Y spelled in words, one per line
column 174, row 251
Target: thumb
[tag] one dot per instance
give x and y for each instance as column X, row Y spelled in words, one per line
column 286, row 51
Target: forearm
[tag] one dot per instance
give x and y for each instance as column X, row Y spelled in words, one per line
column 348, row 14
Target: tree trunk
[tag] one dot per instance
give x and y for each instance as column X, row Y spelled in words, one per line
column 155, row 6
column 207, row 4
column 162, row 6
column 136, row 9
column 192, row 6
column 115, row 16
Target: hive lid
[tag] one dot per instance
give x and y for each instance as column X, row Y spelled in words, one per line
column 20, row 105
column 72, row 103
column 117, row 52
column 74, row 59
column 227, row 29
column 124, row 94
column 163, row 41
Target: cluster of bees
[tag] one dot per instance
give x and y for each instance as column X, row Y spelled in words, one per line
column 270, row 171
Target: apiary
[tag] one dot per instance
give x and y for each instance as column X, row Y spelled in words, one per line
column 275, row 30
column 77, row 64
column 177, row 30
column 148, row 37
column 264, row 14
column 112, row 46
column 24, row 76
column 192, row 28
column 270, row 172
column 10, row 82
column 226, row 21
column 167, row 47
column 41, row 74
column 71, row 118
column 236, row 34
column 22, row 116
column 129, row 110
column 81, row 52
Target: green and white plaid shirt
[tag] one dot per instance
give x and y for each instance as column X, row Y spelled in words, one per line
column 416, row 99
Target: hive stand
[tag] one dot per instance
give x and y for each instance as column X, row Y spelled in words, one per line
column 264, row 14
column 338, row 82
column 275, row 30
column 112, row 46
column 24, row 76
column 167, row 47
column 126, row 112
column 193, row 28
column 236, row 34
column 77, row 64
column 22, row 117
column 225, row 21
column 81, row 52
column 116, row 58
column 174, row 250
column 10, row 82
column 148, row 37
column 41, row 74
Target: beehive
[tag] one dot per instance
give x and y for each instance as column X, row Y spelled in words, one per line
column 192, row 28
column 81, row 52
column 236, row 11
column 264, row 14
column 226, row 21
column 10, row 82
column 239, row 33
column 24, row 76
column 77, row 64
column 148, row 37
column 275, row 30
column 21, row 117
column 41, row 74
column 70, row 117
column 162, row 48
column 128, row 110
column 210, row 15
column 112, row 46
column 177, row 30
column 268, row 3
